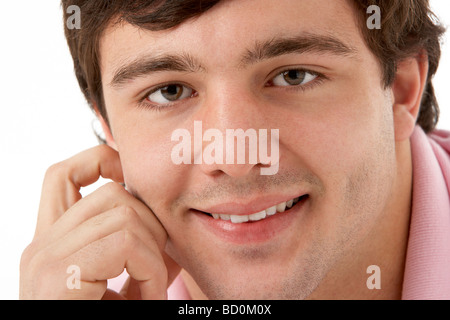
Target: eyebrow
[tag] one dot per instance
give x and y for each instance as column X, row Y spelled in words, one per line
column 305, row 43
column 149, row 64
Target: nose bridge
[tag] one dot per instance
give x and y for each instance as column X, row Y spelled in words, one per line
column 232, row 106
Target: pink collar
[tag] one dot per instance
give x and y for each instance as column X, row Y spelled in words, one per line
column 427, row 270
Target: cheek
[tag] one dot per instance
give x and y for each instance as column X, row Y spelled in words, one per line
column 350, row 147
column 341, row 128
column 149, row 171
column 329, row 144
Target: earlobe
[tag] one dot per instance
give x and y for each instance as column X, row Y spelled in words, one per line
column 106, row 130
column 408, row 88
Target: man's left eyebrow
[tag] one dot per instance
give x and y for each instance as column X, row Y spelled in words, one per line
column 146, row 65
column 305, row 43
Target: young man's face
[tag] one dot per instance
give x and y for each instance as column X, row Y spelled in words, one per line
column 298, row 66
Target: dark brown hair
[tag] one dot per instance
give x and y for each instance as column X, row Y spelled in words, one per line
column 408, row 27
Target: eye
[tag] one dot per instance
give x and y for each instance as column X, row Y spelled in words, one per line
column 293, row 77
column 170, row 93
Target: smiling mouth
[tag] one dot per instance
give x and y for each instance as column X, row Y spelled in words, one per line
column 261, row 215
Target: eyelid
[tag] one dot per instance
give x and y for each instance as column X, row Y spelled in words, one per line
column 314, row 69
column 307, row 78
column 319, row 77
column 279, row 71
column 186, row 92
column 148, row 92
column 145, row 103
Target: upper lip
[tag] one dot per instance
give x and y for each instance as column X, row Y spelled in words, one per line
column 243, row 207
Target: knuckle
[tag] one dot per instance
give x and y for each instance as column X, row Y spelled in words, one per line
column 129, row 241
column 30, row 252
column 104, row 152
column 55, row 170
column 103, row 148
column 128, row 215
column 32, row 260
column 26, row 256
column 113, row 188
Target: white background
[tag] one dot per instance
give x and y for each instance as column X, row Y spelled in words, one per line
column 45, row 119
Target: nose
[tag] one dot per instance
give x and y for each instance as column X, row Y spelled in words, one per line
column 231, row 126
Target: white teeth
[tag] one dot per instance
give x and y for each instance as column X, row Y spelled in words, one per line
column 238, row 219
column 271, row 211
column 281, row 207
column 257, row 216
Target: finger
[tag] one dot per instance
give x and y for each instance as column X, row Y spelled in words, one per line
column 107, row 257
column 131, row 288
column 120, row 219
column 124, row 219
column 63, row 181
column 108, row 197
column 85, row 246
column 173, row 269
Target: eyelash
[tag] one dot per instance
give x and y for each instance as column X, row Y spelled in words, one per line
column 144, row 103
column 320, row 78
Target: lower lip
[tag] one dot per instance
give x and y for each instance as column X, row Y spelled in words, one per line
column 251, row 232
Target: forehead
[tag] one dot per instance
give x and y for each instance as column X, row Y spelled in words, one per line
column 223, row 34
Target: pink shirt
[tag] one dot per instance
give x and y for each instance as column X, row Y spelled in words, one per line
column 427, row 269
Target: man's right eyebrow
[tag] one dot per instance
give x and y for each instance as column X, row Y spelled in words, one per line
column 145, row 65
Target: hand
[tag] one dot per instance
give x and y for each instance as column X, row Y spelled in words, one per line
column 101, row 234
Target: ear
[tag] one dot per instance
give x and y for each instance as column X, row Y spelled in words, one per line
column 407, row 89
column 106, row 130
